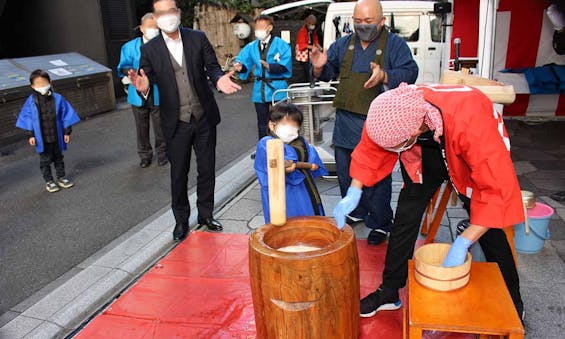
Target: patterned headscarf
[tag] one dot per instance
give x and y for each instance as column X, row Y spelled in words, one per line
column 396, row 114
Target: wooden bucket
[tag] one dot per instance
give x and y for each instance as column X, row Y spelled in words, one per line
column 313, row 294
column 429, row 272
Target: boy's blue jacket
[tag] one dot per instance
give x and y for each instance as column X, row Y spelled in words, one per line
column 29, row 119
column 279, row 53
column 129, row 59
column 298, row 201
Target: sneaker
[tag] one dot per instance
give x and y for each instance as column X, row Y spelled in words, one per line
column 65, row 183
column 162, row 162
column 51, row 187
column 379, row 301
column 377, row 236
column 462, row 226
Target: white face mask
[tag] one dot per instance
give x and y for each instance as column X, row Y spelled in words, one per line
column 286, row 133
column 43, row 90
column 312, row 27
column 402, row 148
column 169, row 23
column 150, row 33
column 261, row 34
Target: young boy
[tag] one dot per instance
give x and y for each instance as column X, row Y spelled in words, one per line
column 47, row 118
column 302, row 197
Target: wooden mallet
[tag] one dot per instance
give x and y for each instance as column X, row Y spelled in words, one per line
column 276, row 181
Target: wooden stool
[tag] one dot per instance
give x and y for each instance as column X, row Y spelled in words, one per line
column 482, row 307
column 432, row 220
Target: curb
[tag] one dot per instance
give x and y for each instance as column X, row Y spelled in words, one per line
column 103, row 276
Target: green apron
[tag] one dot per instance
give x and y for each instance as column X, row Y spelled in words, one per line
column 351, row 95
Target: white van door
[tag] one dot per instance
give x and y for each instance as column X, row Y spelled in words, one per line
column 421, row 31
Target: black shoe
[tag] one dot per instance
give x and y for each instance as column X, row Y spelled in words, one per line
column 379, row 301
column 252, row 156
column 462, row 226
column 162, row 162
column 180, row 232
column 145, row 163
column 351, row 220
column 212, row 224
column 376, row 237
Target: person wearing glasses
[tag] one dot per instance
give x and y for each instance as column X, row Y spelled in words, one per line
column 367, row 63
column 439, row 133
column 180, row 61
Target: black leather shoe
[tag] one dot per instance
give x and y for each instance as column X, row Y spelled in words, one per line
column 180, row 232
column 212, row 224
column 376, row 237
column 145, row 163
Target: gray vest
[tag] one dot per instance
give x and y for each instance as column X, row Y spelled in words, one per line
column 188, row 100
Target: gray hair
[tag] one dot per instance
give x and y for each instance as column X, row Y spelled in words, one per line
column 146, row 16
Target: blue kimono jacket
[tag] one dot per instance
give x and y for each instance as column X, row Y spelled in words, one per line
column 298, row 200
column 29, row 120
column 129, row 59
column 278, row 54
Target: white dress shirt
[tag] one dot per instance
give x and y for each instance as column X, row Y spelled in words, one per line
column 265, row 42
column 175, row 47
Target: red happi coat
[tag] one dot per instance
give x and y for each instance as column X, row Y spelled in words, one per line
column 477, row 152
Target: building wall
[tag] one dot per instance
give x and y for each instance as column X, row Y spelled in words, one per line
column 37, row 27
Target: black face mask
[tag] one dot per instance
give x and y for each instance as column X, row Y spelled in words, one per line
column 367, row 32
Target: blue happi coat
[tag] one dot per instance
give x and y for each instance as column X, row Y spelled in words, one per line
column 278, row 54
column 298, row 201
column 129, row 59
column 29, row 120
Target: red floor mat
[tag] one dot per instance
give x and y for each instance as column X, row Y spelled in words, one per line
column 201, row 290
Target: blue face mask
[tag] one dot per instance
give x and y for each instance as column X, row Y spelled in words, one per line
column 367, row 32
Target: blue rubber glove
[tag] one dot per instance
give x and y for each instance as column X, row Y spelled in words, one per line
column 346, row 205
column 457, row 253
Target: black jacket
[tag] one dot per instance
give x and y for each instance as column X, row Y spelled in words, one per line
column 201, row 62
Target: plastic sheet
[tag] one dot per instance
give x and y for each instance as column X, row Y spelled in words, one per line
column 201, row 290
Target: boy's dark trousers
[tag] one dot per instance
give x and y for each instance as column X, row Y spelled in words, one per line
column 412, row 202
column 142, row 117
column 262, row 110
column 51, row 154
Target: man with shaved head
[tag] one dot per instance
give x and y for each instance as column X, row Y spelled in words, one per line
column 367, row 63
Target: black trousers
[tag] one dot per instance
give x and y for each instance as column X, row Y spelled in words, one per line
column 201, row 137
column 143, row 115
column 412, row 203
column 51, row 155
column 262, row 110
column 374, row 207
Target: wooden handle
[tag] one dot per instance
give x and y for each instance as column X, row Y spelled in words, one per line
column 496, row 91
column 276, row 178
column 298, row 164
column 303, row 165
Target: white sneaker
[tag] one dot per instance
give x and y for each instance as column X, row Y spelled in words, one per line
column 51, row 187
column 64, row 183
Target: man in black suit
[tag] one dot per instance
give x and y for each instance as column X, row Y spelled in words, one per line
column 179, row 62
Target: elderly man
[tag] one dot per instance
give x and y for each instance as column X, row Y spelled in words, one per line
column 180, row 61
column 367, row 62
column 143, row 110
column 432, row 129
